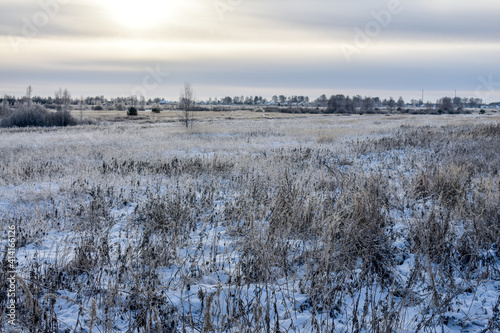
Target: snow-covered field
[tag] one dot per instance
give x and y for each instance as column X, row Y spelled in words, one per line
column 321, row 224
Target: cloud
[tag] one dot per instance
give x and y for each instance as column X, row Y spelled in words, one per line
column 276, row 44
column 276, row 21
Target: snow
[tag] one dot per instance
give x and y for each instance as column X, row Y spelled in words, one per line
column 207, row 260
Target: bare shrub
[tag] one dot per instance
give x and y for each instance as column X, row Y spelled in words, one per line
column 449, row 184
column 38, row 116
column 482, row 230
column 5, row 108
column 360, row 229
column 293, row 211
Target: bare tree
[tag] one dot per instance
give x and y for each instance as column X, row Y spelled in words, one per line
column 429, row 106
column 29, row 91
column 337, row 104
column 80, row 103
column 58, row 98
column 367, row 105
column 391, row 104
column 5, row 106
column 401, row 103
column 66, row 99
column 349, row 105
column 142, row 102
column 63, row 100
column 186, row 104
column 133, row 101
column 446, row 104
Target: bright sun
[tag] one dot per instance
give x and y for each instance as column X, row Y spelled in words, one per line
column 143, row 14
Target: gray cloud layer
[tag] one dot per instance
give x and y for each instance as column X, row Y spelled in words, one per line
column 270, row 44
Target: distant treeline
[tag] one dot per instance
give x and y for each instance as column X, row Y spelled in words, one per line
column 278, row 103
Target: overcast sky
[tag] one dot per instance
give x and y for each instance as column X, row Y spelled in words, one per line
column 252, row 47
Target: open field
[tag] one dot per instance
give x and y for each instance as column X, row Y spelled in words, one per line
column 289, row 223
column 174, row 115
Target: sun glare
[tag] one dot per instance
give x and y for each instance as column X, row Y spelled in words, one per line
column 143, row 14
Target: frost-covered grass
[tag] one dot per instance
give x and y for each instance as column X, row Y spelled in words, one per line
column 320, row 224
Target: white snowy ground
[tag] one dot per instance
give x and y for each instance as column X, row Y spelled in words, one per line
column 470, row 311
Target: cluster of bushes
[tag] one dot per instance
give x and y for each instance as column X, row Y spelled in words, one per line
column 38, row 116
column 5, row 110
column 132, row 111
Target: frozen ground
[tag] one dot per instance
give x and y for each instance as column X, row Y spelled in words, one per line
column 340, row 224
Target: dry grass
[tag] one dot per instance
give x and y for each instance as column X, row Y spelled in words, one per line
column 342, row 223
column 235, row 114
column 175, row 115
